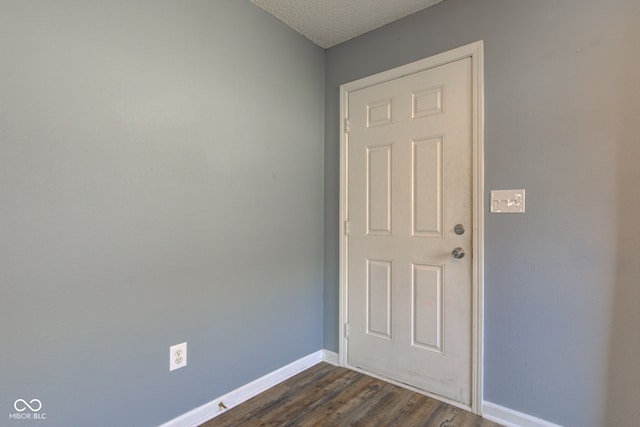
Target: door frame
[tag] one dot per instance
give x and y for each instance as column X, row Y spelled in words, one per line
column 475, row 51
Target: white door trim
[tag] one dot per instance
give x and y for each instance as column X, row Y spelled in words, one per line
column 475, row 51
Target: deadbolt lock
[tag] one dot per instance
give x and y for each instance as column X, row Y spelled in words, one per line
column 459, row 229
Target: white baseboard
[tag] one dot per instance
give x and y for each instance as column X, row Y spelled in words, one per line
column 210, row 410
column 330, row 357
column 510, row 418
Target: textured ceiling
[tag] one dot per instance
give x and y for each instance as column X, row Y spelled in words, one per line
column 329, row 22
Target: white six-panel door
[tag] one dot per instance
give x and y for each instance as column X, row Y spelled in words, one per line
column 409, row 184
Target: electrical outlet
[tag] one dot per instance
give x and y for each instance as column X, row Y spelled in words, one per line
column 177, row 356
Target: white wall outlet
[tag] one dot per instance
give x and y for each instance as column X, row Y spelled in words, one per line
column 177, row 356
column 507, row 201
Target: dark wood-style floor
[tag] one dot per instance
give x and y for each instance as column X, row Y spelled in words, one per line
column 325, row 395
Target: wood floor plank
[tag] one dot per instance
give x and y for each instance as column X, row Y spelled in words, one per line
column 358, row 408
column 302, row 405
column 325, row 395
column 383, row 412
column 263, row 402
column 414, row 412
column 325, row 411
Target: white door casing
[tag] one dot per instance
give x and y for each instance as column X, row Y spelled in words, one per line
column 411, row 169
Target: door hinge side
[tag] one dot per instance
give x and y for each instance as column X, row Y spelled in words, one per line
column 346, row 228
column 346, row 126
column 346, row 330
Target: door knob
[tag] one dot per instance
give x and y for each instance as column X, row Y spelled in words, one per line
column 457, row 253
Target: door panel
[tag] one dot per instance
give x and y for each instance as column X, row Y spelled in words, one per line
column 409, row 183
column 426, row 180
column 379, row 299
column 427, row 307
column 379, row 190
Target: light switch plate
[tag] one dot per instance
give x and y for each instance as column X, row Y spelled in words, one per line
column 507, row 201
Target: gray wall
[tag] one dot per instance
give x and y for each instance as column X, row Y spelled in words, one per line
column 160, row 181
column 561, row 116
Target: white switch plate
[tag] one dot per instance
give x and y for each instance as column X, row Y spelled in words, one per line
column 507, row 201
column 177, row 356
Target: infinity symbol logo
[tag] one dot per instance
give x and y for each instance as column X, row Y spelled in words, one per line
column 24, row 405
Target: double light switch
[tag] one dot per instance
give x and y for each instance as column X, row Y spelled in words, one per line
column 507, row 201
